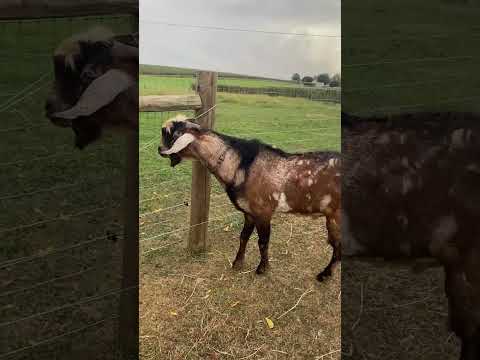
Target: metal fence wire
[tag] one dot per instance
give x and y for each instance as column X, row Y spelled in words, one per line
column 61, row 224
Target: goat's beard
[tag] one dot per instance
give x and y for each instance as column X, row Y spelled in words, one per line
column 175, row 159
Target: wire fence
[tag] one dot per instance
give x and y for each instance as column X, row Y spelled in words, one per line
column 61, row 224
column 165, row 192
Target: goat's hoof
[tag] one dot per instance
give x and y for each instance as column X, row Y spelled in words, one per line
column 262, row 268
column 324, row 275
column 237, row 264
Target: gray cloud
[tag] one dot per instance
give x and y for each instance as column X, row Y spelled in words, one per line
column 240, row 52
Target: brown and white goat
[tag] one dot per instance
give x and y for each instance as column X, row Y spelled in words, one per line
column 410, row 190
column 96, row 85
column 261, row 180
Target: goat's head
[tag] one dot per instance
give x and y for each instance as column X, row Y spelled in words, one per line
column 177, row 134
column 91, row 70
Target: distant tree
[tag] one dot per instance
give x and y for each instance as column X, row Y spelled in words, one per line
column 336, row 80
column 323, row 78
column 296, row 77
column 308, row 81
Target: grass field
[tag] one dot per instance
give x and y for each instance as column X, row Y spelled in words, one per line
column 198, row 307
column 424, row 58
column 157, row 84
column 53, row 197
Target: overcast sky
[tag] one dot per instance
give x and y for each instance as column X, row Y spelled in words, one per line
column 259, row 54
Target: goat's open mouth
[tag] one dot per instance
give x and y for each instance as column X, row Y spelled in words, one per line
column 175, row 159
column 58, row 121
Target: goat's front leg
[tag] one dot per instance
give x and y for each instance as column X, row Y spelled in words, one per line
column 263, row 230
column 248, row 227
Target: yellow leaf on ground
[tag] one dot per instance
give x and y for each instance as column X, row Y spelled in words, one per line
column 269, row 323
column 173, row 313
column 235, row 304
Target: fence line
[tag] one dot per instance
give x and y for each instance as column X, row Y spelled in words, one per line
column 189, row 227
column 46, row 282
column 413, row 106
column 25, row 92
column 308, row 93
column 61, row 217
column 408, row 61
column 25, row 259
column 168, row 220
column 165, row 245
column 82, row 301
column 58, row 337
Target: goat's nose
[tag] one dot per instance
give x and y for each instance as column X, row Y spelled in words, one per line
column 160, row 149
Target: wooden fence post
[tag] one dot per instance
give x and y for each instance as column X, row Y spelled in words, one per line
column 128, row 317
column 200, row 197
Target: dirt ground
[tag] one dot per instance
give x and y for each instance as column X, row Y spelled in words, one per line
column 199, row 308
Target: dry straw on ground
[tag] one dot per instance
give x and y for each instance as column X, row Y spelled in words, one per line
column 199, row 308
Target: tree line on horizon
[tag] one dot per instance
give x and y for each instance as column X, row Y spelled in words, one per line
column 333, row 81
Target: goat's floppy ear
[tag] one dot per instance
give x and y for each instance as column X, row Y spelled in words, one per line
column 181, row 143
column 101, row 92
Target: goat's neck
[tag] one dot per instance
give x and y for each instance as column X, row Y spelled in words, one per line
column 217, row 157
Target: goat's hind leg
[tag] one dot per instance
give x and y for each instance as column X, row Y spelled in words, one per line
column 247, row 231
column 334, row 239
column 263, row 230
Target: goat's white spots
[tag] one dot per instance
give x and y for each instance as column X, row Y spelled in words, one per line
column 407, row 184
column 309, row 172
column 325, row 202
column 310, row 182
column 333, row 162
column 457, row 137
column 282, row 204
column 276, row 195
column 239, row 177
column 460, row 137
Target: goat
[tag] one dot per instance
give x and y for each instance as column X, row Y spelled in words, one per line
column 96, row 77
column 261, row 180
column 419, row 176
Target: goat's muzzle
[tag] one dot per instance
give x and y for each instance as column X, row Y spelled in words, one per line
column 175, row 159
